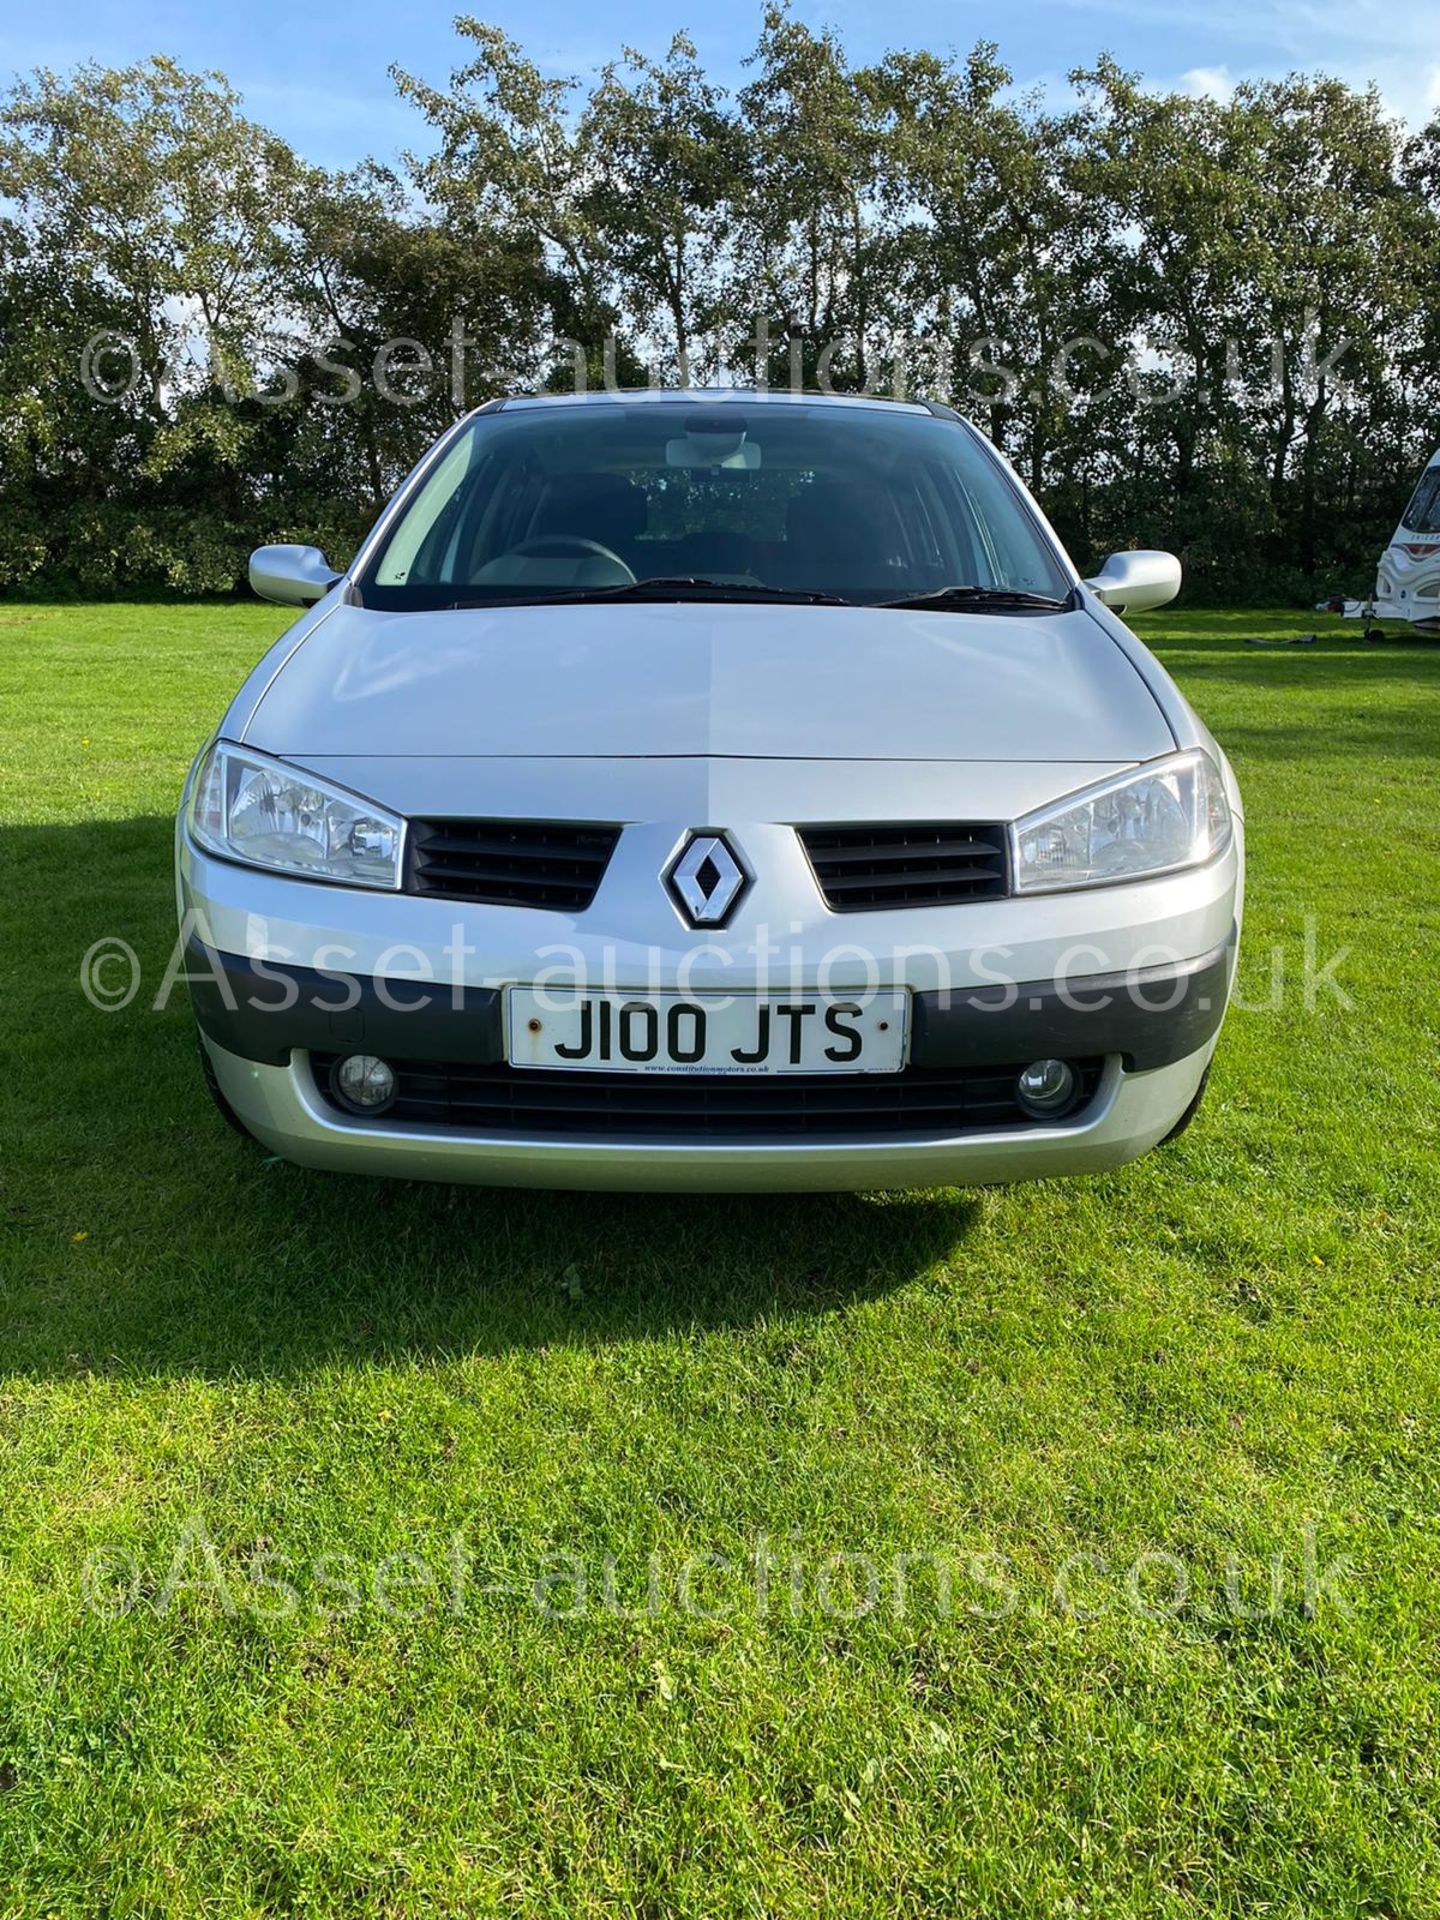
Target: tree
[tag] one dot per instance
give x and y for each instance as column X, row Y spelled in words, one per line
column 665, row 160
column 406, row 324
column 991, row 254
column 804, row 254
column 512, row 170
column 1206, row 324
column 159, row 209
column 1339, row 280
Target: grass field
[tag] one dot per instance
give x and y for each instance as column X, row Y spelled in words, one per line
column 608, row 1485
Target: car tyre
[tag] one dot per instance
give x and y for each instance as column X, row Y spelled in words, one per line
column 212, row 1087
column 1190, row 1112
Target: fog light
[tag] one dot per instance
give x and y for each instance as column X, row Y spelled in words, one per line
column 1046, row 1088
column 365, row 1083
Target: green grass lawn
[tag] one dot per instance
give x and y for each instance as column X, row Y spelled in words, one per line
column 1110, row 1422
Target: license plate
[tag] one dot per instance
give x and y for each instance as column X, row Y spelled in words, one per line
column 707, row 1033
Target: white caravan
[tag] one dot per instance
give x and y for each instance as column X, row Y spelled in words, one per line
column 1407, row 582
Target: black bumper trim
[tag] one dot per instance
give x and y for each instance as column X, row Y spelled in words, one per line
column 1151, row 1017
column 262, row 1010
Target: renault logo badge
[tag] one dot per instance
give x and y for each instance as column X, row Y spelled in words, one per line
column 706, row 879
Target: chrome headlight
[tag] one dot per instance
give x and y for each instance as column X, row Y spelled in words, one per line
column 248, row 807
column 1155, row 819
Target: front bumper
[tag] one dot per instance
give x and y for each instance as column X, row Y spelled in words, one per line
column 1136, row 977
column 1149, row 1016
column 1155, row 1033
column 285, row 1109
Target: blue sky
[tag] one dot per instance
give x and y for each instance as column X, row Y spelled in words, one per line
column 317, row 73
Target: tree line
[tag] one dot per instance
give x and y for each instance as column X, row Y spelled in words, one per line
column 1203, row 324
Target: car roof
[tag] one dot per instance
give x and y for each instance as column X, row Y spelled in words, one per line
column 706, row 396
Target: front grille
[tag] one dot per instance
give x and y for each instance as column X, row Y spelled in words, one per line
column 931, row 864
column 918, row 1102
column 516, row 863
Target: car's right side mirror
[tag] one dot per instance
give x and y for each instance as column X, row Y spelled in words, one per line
column 295, row 576
column 1138, row 580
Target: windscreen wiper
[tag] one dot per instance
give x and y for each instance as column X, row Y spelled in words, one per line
column 968, row 599
column 680, row 586
column 737, row 589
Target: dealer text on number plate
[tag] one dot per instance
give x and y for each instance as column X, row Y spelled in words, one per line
column 707, row 1033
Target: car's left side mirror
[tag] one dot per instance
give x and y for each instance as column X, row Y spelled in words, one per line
column 295, row 576
column 1136, row 581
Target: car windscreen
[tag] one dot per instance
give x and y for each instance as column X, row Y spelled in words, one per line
column 867, row 503
column 1423, row 513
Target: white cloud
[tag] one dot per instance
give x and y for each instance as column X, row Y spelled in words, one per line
column 1411, row 93
column 1208, row 83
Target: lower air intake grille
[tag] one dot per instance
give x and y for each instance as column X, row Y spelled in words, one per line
column 515, row 863
column 918, row 1102
column 930, row 864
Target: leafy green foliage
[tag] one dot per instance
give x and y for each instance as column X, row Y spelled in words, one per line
column 1202, row 324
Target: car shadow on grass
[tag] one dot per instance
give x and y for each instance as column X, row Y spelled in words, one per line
column 138, row 1235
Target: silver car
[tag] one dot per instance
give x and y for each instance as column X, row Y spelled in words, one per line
column 710, row 790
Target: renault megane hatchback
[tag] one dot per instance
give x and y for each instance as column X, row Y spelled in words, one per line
column 710, row 790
